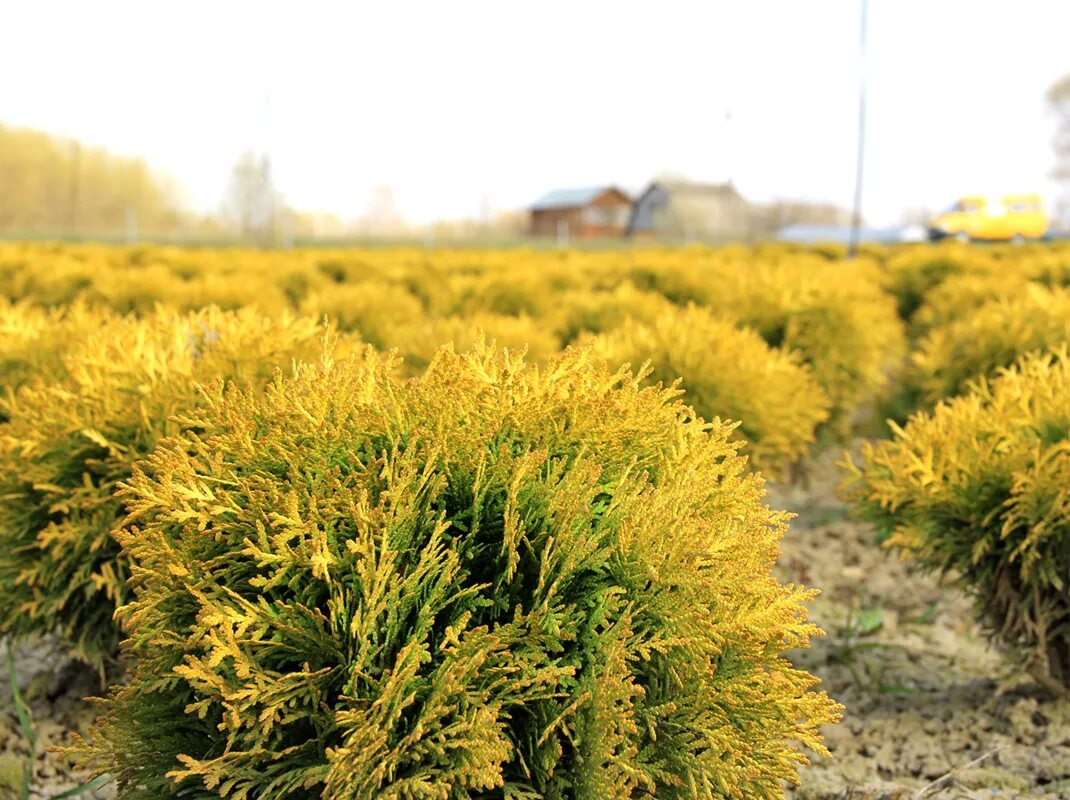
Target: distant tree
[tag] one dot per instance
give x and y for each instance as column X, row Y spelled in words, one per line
column 316, row 225
column 56, row 185
column 382, row 217
column 771, row 217
column 253, row 205
column 1059, row 101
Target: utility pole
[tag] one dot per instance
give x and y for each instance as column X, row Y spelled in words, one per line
column 856, row 216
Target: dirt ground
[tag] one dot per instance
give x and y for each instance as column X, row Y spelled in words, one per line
column 53, row 687
column 926, row 696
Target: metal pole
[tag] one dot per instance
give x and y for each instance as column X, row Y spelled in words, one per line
column 856, row 217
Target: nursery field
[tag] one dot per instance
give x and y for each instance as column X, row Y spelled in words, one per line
column 737, row 522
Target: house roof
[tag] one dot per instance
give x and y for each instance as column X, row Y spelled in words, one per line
column 570, row 198
column 682, row 187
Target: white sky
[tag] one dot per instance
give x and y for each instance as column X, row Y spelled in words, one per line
column 453, row 102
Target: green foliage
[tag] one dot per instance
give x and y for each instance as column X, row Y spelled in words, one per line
column 979, row 487
column 490, row 581
column 729, row 373
column 22, row 712
column 71, row 441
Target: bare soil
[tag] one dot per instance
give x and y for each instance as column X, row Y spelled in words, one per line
column 926, row 694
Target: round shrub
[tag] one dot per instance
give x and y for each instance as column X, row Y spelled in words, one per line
column 419, row 339
column 523, row 283
column 33, row 343
column 834, row 314
column 135, row 290
column 578, row 312
column 961, row 295
column 949, row 357
column 913, row 272
column 70, row 442
column 1047, row 263
column 47, row 275
column 729, row 373
column 979, row 487
column 231, row 292
column 491, row 581
column 369, row 309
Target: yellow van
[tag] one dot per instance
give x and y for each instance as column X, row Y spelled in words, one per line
column 1011, row 218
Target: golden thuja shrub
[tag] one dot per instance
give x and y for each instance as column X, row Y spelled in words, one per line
column 33, row 343
column 136, row 291
column 912, row 272
column 370, row 309
column 1048, row 263
column 494, row 580
column 231, row 292
column 419, row 339
column 70, row 442
column 586, row 311
column 518, row 282
column 48, row 275
column 978, row 487
column 961, row 295
column 729, row 373
column 834, row 314
column 948, row 357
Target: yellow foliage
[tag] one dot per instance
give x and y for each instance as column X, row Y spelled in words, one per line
column 996, row 333
column 834, row 314
column 728, row 373
column 586, row 311
column 979, row 487
column 417, row 340
column 33, row 343
column 961, row 295
column 370, row 309
column 912, row 272
column 492, row 579
column 75, row 435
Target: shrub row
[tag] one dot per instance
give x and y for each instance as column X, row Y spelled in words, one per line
column 731, row 373
column 493, row 580
column 74, row 435
column 978, row 488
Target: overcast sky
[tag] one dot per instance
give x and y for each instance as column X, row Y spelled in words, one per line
column 453, row 102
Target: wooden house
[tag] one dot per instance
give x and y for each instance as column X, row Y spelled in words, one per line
column 686, row 211
column 583, row 213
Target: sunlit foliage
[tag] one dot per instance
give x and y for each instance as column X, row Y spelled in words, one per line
column 494, row 581
column 978, row 488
